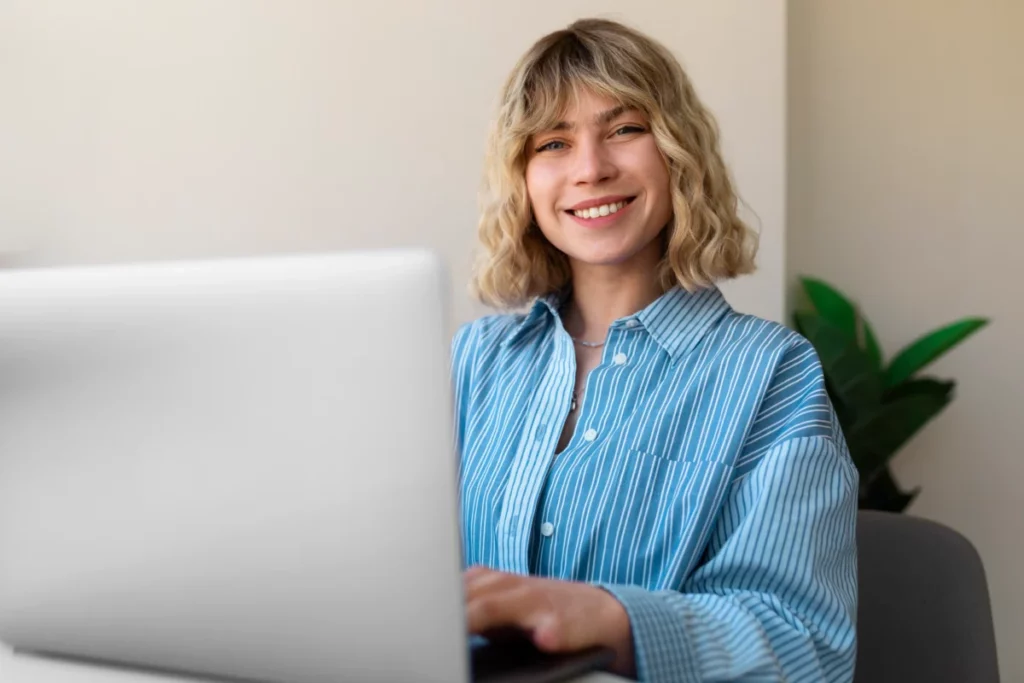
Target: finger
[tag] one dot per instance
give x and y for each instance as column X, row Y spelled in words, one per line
column 485, row 580
column 550, row 634
column 476, row 570
column 475, row 574
column 500, row 606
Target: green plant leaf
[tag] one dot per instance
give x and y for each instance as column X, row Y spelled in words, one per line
column 854, row 383
column 919, row 385
column 832, row 305
column 928, row 347
column 879, row 435
column 870, row 344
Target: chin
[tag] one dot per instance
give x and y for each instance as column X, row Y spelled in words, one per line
column 602, row 258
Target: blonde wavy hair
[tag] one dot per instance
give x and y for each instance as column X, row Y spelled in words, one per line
column 705, row 241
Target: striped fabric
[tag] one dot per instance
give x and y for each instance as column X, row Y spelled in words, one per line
column 707, row 484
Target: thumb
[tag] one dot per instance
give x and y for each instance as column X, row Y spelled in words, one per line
column 549, row 634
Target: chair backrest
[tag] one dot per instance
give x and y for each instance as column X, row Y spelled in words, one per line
column 924, row 612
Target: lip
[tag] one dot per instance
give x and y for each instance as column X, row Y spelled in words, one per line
column 610, row 199
column 602, row 221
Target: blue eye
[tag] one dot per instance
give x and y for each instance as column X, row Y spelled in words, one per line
column 627, row 130
column 551, row 146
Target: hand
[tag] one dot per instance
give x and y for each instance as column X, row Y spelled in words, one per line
column 557, row 616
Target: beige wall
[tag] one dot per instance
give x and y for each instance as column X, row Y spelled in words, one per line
column 905, row 146
column 184, row 128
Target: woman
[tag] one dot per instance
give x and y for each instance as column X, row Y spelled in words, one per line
column 641, row 467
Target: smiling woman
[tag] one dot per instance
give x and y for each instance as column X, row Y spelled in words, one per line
column 607, row 100
column 607, row 145
column 642, row 467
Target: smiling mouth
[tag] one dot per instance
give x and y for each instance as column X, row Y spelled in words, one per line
column 603, row 210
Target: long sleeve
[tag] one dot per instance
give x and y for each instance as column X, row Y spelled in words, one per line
column 774, row 598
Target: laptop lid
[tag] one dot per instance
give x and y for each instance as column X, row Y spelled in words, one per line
column 236, row 468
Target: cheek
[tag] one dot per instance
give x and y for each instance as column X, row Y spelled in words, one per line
column 660, row 183
column 540, row 187
column 656, row 167
column 643, row 153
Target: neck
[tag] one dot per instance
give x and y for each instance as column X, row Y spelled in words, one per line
column 600, row 296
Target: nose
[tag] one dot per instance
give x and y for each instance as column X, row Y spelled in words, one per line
column 593, row 163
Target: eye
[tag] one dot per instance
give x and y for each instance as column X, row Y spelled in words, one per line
column 630, row 130
column 552, row 146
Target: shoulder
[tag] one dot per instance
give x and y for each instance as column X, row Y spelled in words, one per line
column 760, row 345
column 783, row 374
column 483, row 337
column 495, row 326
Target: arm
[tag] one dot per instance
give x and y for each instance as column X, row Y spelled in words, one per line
column 775, row 598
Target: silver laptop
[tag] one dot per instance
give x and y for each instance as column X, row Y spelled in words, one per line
column 238, row 468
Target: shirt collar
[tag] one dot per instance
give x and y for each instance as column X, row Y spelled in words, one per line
column 677, row 320
column 542, row 306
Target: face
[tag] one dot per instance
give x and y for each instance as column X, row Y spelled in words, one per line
column 599, row 186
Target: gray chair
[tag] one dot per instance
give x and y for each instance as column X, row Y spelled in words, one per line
column 924, row 612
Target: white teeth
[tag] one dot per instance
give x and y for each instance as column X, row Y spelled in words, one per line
column 603, row 210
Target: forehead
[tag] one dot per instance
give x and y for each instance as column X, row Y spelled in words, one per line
column 582, row 104
column 579, row 107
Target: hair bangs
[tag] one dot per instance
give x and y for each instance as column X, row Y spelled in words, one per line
column 560, row 75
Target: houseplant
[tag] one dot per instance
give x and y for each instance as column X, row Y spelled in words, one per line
column 880, row 404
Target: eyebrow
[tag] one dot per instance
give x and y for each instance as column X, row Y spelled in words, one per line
column 603, row 118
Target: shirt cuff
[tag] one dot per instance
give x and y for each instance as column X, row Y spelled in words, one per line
column 661, row 648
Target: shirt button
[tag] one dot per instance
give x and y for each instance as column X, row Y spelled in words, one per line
column 620, row 359
column 632, row 322
column 547, row 528
column 590, row 435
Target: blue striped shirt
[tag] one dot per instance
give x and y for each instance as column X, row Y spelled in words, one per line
column 707, row 484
